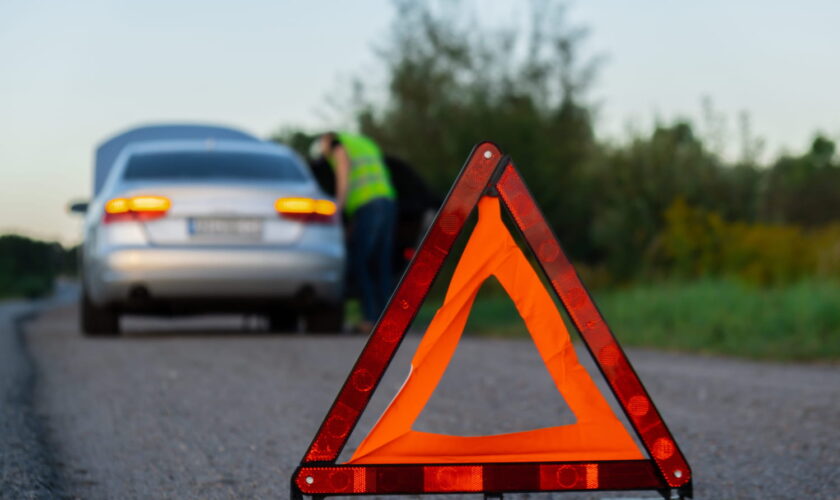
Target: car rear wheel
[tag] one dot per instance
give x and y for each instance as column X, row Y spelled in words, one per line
column 98, row 321
column 328, row 318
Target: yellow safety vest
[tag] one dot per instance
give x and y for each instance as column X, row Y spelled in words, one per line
column 368, row 178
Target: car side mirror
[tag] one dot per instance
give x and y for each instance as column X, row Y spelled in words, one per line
column 78, row 207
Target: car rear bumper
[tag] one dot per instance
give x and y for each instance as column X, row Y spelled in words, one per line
column 127, row 275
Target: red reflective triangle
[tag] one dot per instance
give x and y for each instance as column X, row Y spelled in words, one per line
column 597, row 434
column 393, row 465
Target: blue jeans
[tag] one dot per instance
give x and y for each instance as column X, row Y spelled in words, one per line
column 371, row 250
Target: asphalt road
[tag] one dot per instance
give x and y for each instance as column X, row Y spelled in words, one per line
column 202, row 409
column 25, row 468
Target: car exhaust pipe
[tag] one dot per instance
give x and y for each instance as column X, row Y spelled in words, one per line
column 139, row 294
column 305, row 296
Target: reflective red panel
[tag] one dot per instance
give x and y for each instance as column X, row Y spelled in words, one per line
column 569, row 477
column 594, row 331
column 333, row 434
column 638, row 406
column 464, row 478
column 663, row 448
column 399, row 313
column 453, row 478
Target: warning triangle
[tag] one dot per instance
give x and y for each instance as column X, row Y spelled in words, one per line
column 597, row 435
column 596, row 452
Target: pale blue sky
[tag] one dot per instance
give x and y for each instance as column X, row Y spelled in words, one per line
column 72, row 73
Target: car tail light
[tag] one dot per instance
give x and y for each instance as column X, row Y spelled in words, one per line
column 306, row 209
column 136, row 208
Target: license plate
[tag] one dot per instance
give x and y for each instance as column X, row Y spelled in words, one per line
column 206, row 226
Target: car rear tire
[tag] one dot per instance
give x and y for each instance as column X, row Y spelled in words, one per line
column 328, row 318
column 98, row 321
column 283, row 320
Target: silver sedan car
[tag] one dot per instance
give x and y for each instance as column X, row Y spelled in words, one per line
column 191, row 226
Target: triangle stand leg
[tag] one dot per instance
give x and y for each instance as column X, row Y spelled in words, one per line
column 294, row 492
column 680, row 493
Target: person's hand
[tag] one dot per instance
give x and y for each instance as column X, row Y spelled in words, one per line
column 324, row 143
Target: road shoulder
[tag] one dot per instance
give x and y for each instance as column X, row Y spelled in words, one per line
column 26, row 465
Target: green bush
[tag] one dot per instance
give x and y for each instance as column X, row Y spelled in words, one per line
column 33, row 287
column 698, row 243
column 28, row 267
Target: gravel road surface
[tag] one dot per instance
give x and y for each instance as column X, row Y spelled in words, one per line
column 201, row 409
column 25, row 468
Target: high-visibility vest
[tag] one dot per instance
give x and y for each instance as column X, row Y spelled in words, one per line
column 368, row 178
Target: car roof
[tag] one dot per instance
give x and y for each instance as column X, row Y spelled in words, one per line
column 108, row 150
column 210, row 146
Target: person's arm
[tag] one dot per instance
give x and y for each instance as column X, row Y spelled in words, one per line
column 342, row 174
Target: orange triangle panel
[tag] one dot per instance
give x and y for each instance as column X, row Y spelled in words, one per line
column 597, row 435
column 596, row 452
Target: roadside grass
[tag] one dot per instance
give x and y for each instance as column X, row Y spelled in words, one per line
column 794, row 322
column 28, row 286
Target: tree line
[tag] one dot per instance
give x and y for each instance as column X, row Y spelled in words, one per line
column 662, row 203
column 29, row 267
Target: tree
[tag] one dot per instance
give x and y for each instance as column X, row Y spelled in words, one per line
column 452, row 83
column 804, row 189
column 639, row 181
column 28, row 267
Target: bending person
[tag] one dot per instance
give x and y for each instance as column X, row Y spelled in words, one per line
column 364, row 191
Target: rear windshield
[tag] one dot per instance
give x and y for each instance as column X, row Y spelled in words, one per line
column 213, row 165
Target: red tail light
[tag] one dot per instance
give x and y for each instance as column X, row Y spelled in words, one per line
column 306, row 209
column 136, row 208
